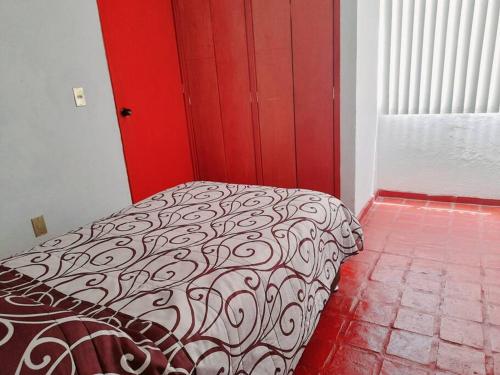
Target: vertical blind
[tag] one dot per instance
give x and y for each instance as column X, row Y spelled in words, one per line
column 440, row 56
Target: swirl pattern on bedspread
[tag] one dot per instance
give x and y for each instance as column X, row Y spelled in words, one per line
column 238, row 273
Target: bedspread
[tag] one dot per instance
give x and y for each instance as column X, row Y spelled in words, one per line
column 205, row 278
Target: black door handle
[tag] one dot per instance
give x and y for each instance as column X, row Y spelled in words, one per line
column 126, row 112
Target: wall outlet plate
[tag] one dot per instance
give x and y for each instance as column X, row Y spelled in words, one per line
column 79, row 96
column 39, row 227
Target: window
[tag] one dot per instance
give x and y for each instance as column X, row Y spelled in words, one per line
column 440, row 56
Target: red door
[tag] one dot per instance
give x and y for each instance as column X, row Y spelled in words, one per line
column 274, row 70
column 313, row 71
column 230, row 46
column 141, row 48
column 196, row 43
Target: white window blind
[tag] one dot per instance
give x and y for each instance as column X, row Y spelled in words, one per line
column 440, row 56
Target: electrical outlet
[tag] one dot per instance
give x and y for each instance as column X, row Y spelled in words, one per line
column 79, row 96
column 39, row 226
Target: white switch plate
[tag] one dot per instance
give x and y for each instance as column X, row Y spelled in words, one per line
column 79, row 96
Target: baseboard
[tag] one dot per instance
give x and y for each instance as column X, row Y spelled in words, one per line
column 366, row 208
column 438, row 198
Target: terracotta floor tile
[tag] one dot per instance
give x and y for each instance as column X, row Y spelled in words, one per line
column 394, row 261
column 461, row 332
column 436, row 217
column 494, row 333
column 492, row 226
column 491, row 235
column 492, row 276
column 467, row 207
column 349, row 291
column 464, row 258
column 426, row 266
column 380, row 292
column 493, row 312
column 342, row 304
column 395, row 368
column 421, row 301
column 492, row 293
column 399, row 248
column 410, row 346
column 462, row 290
column 460, row 359
column 424, row 282
column 353, row 361
column 440, row 205
column 414, row 321
column 315, row 354
column 356, row 270
column 410, row 216
column 431, row 253
column 366, row 336
column 375, row 312
column 466, row 233
column 458, row 247
column 491, row 261
column 416, row 202
column 374, row 242
column 302, row 369
column 423, row 297
column 392, row 200
column 387, row 275
column 366, row 256
column 496, row 361
column 458, row 308
column 436, row 223
column 330, row 326
column 463, row 273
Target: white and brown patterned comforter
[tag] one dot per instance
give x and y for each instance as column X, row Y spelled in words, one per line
column 205, row 278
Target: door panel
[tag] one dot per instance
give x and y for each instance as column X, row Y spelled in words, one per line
column 230, row 41
column 193, row 23
column 312, row 25
column 142, row 56
column 273, row 60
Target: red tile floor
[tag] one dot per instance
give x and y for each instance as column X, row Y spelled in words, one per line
column 422, row 298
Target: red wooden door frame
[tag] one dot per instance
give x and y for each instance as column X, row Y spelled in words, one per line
column 337, row 98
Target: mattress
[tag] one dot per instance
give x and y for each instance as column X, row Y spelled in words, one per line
column 202, row 278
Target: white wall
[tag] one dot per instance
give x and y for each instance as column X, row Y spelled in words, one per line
column 359, row 107
column 457, row 155
column 348, row 32
column 55, row 159
column 366, row 100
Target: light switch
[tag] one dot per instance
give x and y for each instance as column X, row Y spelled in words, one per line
column 39, row 226
column 79, row 96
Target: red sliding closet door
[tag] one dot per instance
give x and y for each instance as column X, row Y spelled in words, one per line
column 229, row 29
column 260, row 78
column 194, row 28
column 273, row 60
column 213, row 41
column 312, row 38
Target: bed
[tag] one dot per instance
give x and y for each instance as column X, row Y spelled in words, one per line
column 203, row 278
